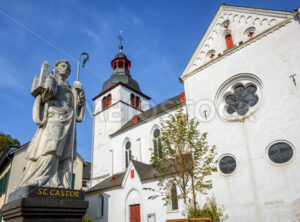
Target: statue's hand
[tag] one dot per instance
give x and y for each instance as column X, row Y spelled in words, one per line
column 81, row 98
column 77, row 85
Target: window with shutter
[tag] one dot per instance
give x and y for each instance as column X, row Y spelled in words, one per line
column 132, row 99
column 229, row 41
column 104, row 103
column 108, row 100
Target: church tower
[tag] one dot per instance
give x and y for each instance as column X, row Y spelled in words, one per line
column 119, row 100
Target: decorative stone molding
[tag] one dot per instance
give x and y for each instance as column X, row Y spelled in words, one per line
column 236, row 48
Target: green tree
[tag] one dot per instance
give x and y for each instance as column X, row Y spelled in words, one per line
column 184, row 159
column 6, row 140
column 209, row 209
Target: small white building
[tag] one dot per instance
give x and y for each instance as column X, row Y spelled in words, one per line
column 242, row 84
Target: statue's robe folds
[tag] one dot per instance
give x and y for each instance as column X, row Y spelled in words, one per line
column 49, row 152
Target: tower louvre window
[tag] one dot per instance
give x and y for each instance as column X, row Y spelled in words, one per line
column 104, row 103
column 120, row 64
column 132, row 99
column 108, row 100
column 229, row 41
column 138, row 102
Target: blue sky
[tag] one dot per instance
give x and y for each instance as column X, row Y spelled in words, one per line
column 160, row 37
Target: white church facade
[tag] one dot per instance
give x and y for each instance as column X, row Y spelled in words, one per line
column 242, row 84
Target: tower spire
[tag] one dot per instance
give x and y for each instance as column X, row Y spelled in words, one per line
column 121, row 39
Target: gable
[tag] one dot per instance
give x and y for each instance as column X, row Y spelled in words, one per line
column 241, row 23
column 131, row 176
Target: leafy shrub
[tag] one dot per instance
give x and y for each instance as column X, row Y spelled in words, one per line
column 86, row 218
column 209, row 209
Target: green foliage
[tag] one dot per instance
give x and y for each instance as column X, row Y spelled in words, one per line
column 86, row 218
column 6, row 140
column 210, row 209
column 183, row 159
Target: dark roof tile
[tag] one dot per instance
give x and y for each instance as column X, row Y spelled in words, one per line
column 159, row 109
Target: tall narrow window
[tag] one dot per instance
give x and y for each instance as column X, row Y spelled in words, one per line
column 157, row 142
column 108, row 100
column 229, row 41
column 100, row 211
column 127, row 153
column 174, row 197
column 138, row 102
column 132, row 99
column 104, row 103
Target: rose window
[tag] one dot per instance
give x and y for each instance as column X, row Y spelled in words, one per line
column 241, row 100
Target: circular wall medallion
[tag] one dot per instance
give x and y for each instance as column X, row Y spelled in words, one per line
column 280, row 152
column 227, row 164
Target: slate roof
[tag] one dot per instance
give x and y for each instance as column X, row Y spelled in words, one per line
column 9, row 151
column 120, row 55
column 159, row 109
column 108, row 183
column 145, row 172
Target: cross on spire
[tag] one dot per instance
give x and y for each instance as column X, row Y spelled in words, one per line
column 121, row 39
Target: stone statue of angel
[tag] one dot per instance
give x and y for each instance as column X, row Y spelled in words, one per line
column 49, row 152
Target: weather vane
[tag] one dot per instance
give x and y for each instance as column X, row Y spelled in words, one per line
column 121, row 39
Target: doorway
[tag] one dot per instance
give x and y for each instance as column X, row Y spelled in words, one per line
column 135, row 213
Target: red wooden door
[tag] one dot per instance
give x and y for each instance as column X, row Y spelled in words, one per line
column 135, row 215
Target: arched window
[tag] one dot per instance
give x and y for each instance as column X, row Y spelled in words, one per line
column 174, row 197
column 157, row 142
column 127, row 153
column 138, row 102
column 229, row 41
column 132, row 99
column 108, row 100
column 104, row 103
column 120, row 64
column 114, row 65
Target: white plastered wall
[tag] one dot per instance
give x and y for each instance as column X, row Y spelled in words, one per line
column 258, row 190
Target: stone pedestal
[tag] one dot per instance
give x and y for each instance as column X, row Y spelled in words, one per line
column 45, row 204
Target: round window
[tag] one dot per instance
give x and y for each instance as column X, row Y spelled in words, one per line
column 227, row 164
column 156, row 133
column 128, row 145
column 280, row 152
column 241, row 100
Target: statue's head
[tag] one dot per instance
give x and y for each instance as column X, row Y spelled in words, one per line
column 62, row 68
